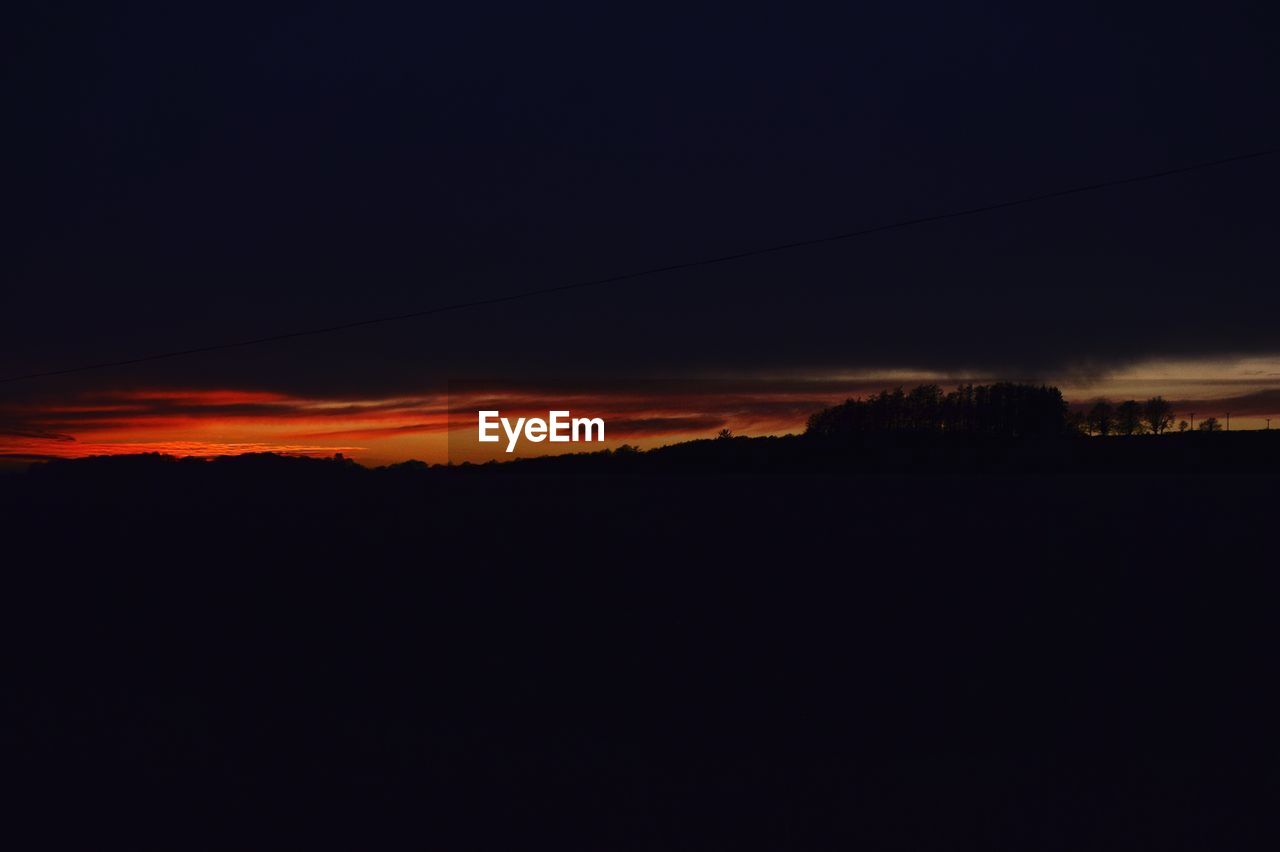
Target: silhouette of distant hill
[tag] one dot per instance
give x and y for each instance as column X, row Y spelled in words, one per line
column 1254, row 452
column 766, row 641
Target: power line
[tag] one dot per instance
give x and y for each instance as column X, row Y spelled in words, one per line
column 657, row 270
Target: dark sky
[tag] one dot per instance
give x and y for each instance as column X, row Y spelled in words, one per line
column 190, row 174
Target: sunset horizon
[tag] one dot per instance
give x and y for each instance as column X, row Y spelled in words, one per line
column 207, row 422
column 479, row 427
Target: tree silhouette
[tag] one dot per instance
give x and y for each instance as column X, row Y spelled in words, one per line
column 1004, row 409
column 1129, row 418
column 924, row 409
column 1157, row 414
column 724, row 434
column 1182, row 426
column 1210, row 424
column 1102, row 418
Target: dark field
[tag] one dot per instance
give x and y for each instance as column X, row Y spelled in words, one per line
column 479, row 659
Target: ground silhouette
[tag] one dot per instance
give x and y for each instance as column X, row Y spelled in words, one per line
column 771, row 642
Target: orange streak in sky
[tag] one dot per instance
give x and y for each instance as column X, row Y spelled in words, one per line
column 223, row 421
column 201, row 422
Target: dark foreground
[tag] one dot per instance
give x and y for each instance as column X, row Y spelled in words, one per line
column 277, row 654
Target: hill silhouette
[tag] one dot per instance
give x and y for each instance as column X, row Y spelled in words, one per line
column 760, row 641
column 912, row 452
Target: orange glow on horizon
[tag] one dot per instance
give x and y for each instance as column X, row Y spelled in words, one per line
column 228, row 421
column 207, row 423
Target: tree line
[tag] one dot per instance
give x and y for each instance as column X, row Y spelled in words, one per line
column 1131, row 417
column 1004, row 409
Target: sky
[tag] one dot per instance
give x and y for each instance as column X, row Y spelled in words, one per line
column 180, row 176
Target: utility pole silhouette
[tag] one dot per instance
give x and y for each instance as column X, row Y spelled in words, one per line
column 1193, row 421
column 1268, row 424
column 1228, row 421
